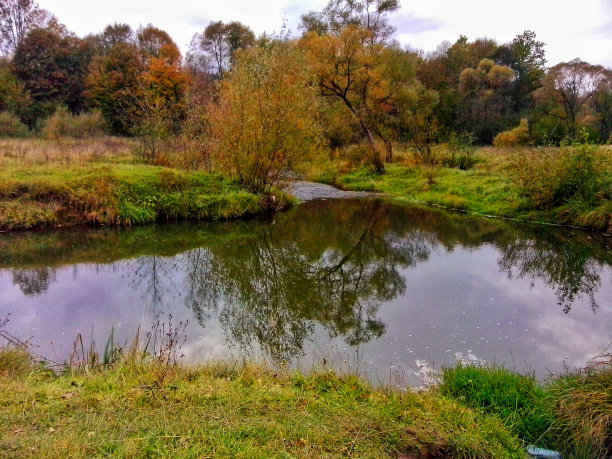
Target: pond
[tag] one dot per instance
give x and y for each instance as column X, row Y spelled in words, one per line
column 357, row 285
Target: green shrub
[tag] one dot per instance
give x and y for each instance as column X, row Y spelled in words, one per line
column 10, row 126
column 460, row 152
column 552, row 177
column 516, row 399
column 518, row 136
column 64, row 124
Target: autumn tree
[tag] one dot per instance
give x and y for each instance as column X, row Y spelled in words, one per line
column 601, row 103
column 441, row 71
column 113, row 87
column 13, row 96
column 17, row 19
column 371, row 15
column 566, row 91
column 52, row 68
column 349, row 68
column 486, row 99
column 214, row 49
column 163, row 87
column 417, row 119
column 139, row 85
column 264, row 122
column 112, row 35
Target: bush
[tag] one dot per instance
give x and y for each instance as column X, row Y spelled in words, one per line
column 10, row 126
column 514, row 137
column 551, row 177
column 264, row 123
column 460, row 152
column 516, row 399
column 547, row 130
column 64, row 124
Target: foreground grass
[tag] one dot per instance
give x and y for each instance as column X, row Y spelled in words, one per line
column 217, row 412
column 487, row 188
column 38, row 196
column 571, row 413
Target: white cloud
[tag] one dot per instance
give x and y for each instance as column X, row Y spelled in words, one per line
column 569, row 29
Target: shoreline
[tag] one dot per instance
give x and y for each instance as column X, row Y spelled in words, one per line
column 139, row 404
column 108, row 194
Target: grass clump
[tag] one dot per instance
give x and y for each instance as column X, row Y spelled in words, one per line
column 518, row 400
column 220, row 411
column 14, row 363
column 571, row 413
column 582, row 402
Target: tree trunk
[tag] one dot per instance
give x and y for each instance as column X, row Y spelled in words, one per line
column 387, row 142
column 377, row 161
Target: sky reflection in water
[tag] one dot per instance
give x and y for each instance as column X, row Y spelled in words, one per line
column 362, row 285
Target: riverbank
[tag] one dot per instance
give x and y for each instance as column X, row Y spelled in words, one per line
column 491, row 185
column 215, row 411
column 163, row 409
column 41, row 196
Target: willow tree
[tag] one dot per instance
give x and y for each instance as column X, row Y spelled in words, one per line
column 350, row 68
column 264, row 122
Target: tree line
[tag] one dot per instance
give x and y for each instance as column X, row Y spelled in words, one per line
column 236, row 98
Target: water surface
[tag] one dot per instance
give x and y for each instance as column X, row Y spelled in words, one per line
column 359, row 285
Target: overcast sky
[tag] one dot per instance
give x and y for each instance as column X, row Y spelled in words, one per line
column 570, row 29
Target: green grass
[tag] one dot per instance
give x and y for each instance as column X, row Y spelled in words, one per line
column 474, row 190
column 38, row 196
column 516, row 399
column 571, row 412
column 489, row 188
column 135, row 407
column 214, row 411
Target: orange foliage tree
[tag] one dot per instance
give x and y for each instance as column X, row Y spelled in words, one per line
column 350, row 67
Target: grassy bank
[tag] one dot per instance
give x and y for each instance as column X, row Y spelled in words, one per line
column 161, row 409
column 116, row 194
column 571, row 413
column 213, row 411
column 102, row 181
column 548, row 186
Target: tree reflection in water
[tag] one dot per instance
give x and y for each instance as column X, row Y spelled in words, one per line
column 326, row 263
column 33, row 281
column 273, row 284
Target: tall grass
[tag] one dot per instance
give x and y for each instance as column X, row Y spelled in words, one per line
column 571, row 412
column 65, row 151
column 65, row 124
column 582, row 402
